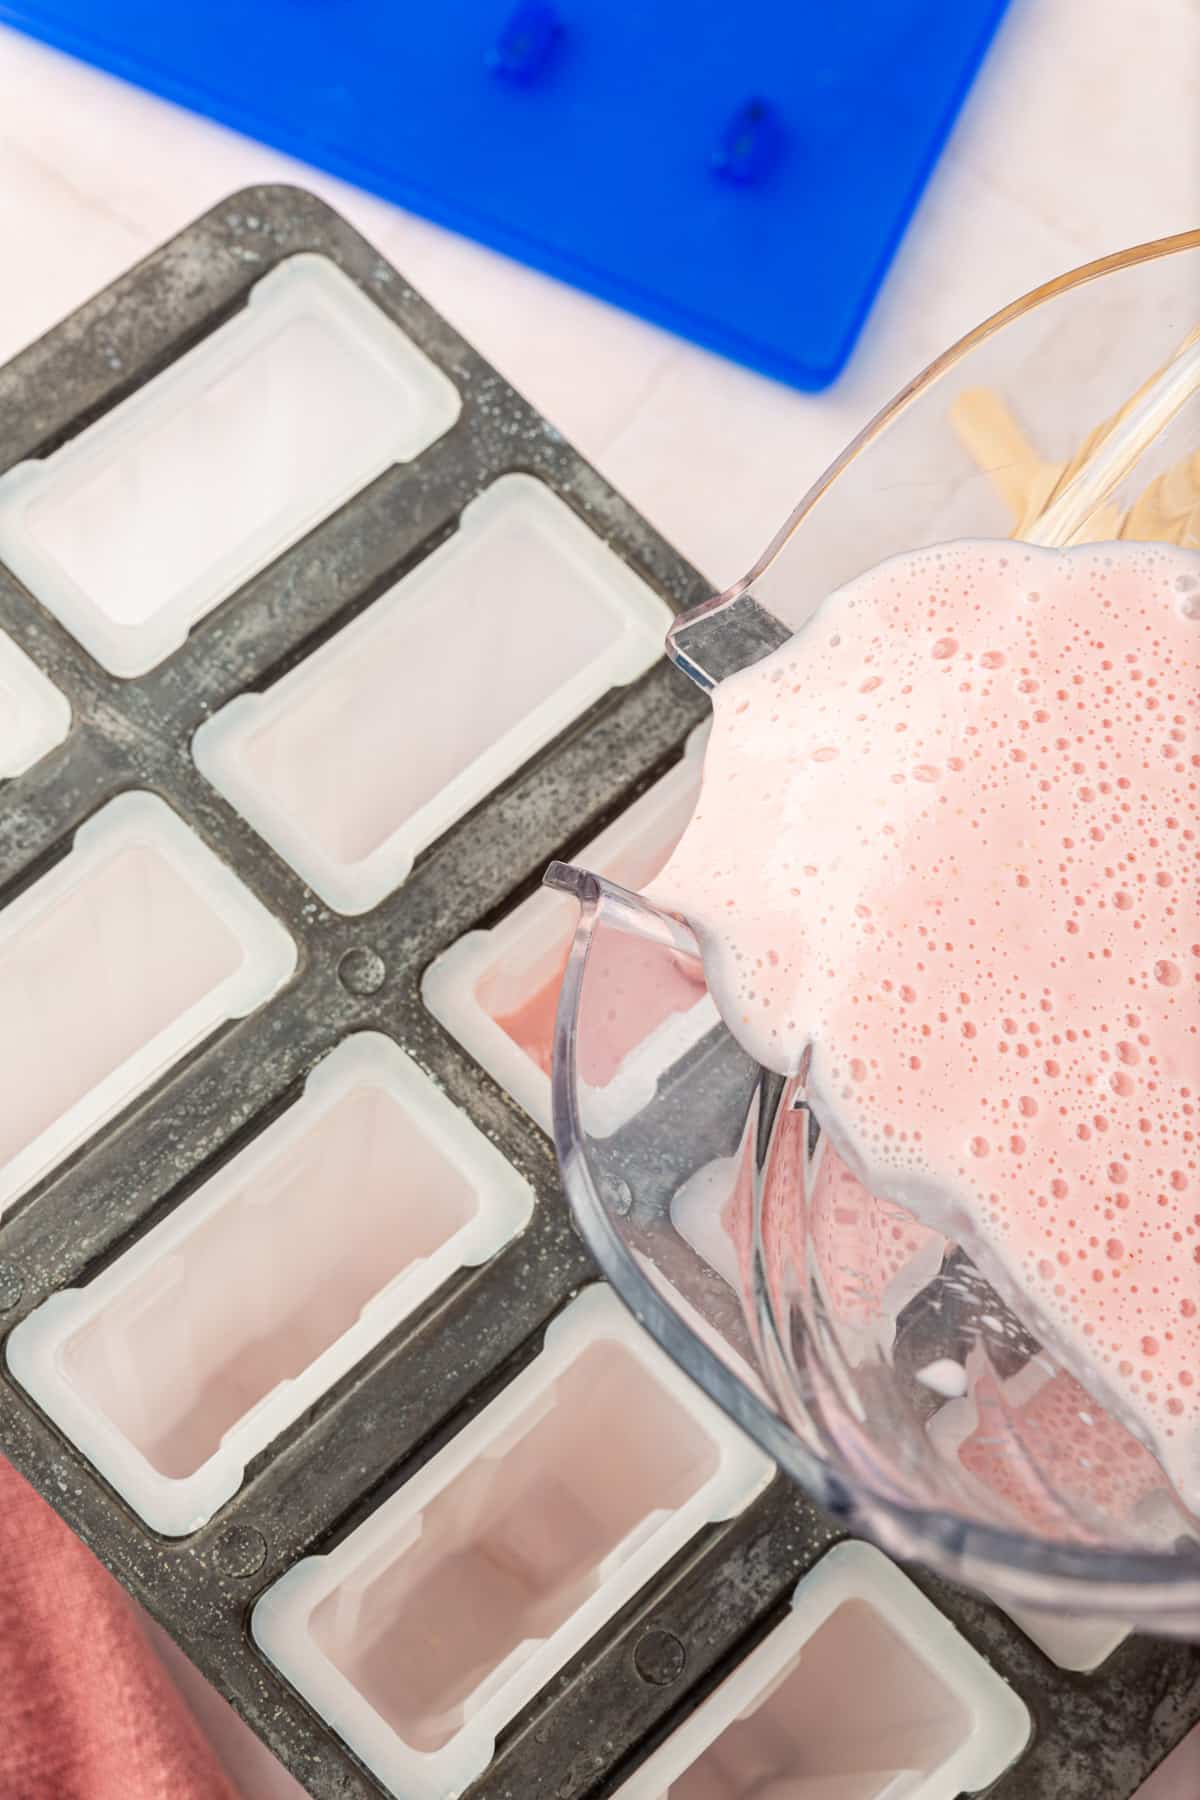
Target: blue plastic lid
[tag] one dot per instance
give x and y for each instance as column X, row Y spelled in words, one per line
column 740, row 174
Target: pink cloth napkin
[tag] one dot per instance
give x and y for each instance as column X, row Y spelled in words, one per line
column 87, row 1711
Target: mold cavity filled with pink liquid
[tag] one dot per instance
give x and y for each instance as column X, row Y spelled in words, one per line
column 947, row 847
column 641, row 999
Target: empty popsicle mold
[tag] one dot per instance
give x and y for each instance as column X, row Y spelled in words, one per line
column 427, row 1629
column 190, row 1353
column 864, row 1692
column 121, row 958
column 34, row 716
column 497, row 990
column 141, row 524
column 373, row 746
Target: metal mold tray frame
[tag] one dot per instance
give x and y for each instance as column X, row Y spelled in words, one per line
column 582, row 1736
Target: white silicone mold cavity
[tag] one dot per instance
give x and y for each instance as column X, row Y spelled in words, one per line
column 189, row 1354
column 430, row 1626
column 145, row 521
column 34, row 716
column 497, row 990
column 1077, row 1643
column 129, row 952
column 372, row 747
column 865, row 1692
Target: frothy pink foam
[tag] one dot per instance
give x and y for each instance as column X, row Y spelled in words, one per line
column 948, row 838
column 1030, row 1453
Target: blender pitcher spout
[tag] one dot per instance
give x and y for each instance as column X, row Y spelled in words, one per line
column 718, row 638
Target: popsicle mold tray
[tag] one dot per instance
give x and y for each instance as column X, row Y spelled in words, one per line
column 316, row 646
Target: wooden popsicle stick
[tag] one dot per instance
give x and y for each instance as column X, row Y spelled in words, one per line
column 1168, row 511
column 998, row 446
column 1160, row 513
column 1181, row 486
column 1101, row 526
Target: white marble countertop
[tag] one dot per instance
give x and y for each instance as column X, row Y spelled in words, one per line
column 1081, row 136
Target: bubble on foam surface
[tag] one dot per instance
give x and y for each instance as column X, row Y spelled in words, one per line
column 982, row 910
column 1054, row 1455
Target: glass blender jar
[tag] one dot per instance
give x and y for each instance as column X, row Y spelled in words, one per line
column 865, row 1352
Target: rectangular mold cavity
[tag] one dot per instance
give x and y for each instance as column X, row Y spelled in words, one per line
column 191, row 1352
column 34, row 715
column 427, row 1629
column 138, row 527
column 864, row 1692
column 121, row 958
column 367, row 751
column 496, row 991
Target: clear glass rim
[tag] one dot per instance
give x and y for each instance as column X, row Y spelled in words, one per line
column 1152, row 251
column 1143, row 1586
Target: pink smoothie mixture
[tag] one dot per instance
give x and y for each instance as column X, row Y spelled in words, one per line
column 948, row 846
